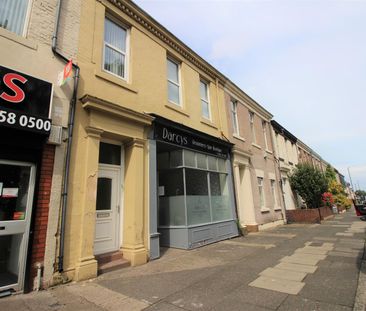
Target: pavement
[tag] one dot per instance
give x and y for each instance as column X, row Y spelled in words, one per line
column 291, row 267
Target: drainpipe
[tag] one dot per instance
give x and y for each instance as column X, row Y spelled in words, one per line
column 69, row 139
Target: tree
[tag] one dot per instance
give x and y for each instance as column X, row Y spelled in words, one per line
column 361, row 194
column 330, row 174
column 310, row 183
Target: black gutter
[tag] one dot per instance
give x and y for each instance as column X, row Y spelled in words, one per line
column 69, row 139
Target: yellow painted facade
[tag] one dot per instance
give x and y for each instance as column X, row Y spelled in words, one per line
column 112, row 108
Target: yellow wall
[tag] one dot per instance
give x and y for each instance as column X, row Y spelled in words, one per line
column 116, row 109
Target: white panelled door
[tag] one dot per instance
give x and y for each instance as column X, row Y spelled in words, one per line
column 107, row 230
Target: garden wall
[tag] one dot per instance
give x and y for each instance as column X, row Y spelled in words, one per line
column 309, row 216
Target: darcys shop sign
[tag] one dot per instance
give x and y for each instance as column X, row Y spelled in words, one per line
column 24, row 102
column 189, row 140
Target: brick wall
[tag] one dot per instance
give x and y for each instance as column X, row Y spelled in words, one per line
column 308, row 215
column 41, row 209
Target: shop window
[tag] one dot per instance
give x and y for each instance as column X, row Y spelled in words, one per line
column 198, row 202
column 199, row 189
column 176, row 158
column 115, row 48
column 220, row 201
column 212, row 163
column 109, row 154
column 13, row 15
column 189, row 158
column 201, row 161
column 171, row 198
column 173, row 82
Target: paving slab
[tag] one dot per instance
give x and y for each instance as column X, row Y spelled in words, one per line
column 344, row 234
column 320, row 238
column 273, row 234
column 281, row 274
column 163, row 306
column 296, row 267
column 312, row 250
column 279, row 285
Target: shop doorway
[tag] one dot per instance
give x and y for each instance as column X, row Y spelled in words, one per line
column 17, row 181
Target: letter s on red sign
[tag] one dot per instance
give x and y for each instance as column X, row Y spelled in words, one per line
column 18, row 92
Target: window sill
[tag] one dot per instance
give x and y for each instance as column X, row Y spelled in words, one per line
column 269, row 151
column 115, row 80
column 18, row 39
column 257, row 146
column 239, row 137
column 177, row 109
column 277, row 208
column 265, row 210
column 209, row 123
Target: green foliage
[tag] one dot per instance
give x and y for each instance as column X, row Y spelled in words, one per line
column 330, row 174
column 310, row 183
column 361, row 195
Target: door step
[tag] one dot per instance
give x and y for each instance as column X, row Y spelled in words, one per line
column 110, row 262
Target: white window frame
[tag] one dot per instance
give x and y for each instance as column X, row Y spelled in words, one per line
column 126, row 53
column 234, row 116
column 252, row 128
column 179, row 84
column 264, row 128
column 206, row 101
column 261, row 191
column 26, row 20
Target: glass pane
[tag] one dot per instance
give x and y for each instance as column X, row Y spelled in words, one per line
column 176, row 158
column 173, row 71
column 10, row 246
column 163, row 160
column 189, row 158
column 201, row 161
column 212, row 163
column 205, row 109
column 13, row 14
column 220, row 200
column 104, row 194
column 109, row 154
column 198, row 203
column 171, row 199
column 115, row 35
column 222, row 165
column 114, row 61
column 203, row 91
column 173, row 93
column 14, row 184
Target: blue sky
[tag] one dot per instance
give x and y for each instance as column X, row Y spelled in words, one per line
column 304, row 61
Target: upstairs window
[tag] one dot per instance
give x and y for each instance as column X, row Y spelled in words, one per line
column 234, row 116
column 264, row 128
column 205, row 103
column 115, row 46
column 13, row 15
column 273, row 190
column 173, row 82
column 251, row 122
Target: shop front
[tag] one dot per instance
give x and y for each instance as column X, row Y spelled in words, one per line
column 195, row 201
column 24, row 128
